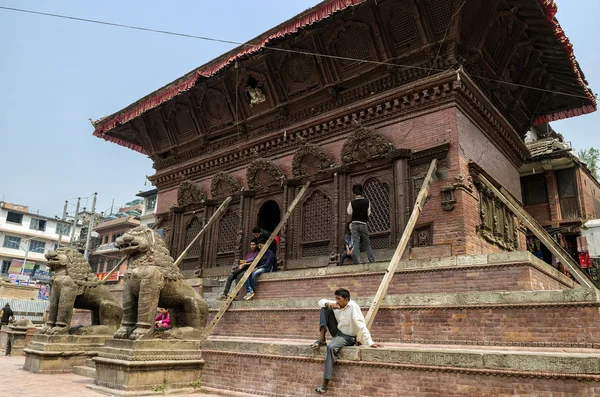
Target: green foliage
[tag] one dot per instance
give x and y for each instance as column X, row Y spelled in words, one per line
column 197, row 384
column 161, row 388
column 591, row 158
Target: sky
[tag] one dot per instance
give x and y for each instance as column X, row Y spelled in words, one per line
column 56, row 74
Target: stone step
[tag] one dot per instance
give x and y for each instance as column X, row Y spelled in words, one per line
column 90, row 363
column 412, row 370
column 566, row 318
column 84, row 370
column 498, row 272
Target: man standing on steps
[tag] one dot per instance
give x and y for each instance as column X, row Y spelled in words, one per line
column 344, row 320
column 360, row 210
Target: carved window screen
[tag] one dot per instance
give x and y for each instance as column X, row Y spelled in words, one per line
column 378, row 194
column 402, row 26
column 353, row 43
column 191, row 231
column 441, row 14
column 228, row 226
column 316, row 224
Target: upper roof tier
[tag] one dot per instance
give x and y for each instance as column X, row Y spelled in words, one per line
column 545, row 44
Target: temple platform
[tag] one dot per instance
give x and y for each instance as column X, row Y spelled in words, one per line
column 488, row 325
column 148, row 367
column 50, row 354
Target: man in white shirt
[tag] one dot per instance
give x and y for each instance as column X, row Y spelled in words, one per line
column 345, row 321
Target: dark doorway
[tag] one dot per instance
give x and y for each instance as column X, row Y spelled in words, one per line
column 269, row 216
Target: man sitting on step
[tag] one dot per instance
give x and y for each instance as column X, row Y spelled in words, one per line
column 238, row 270
column 265, row 265
column 344, row 320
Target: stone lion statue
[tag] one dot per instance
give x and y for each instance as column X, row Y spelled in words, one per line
column 74, row 286
column 152, row 280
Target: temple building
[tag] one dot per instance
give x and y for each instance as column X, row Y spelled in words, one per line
column 357, row 91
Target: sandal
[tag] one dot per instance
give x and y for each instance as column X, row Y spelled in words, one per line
column 320, row 390
column 317, row 344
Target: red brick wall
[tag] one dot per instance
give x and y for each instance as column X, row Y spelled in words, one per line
column 493, row 324
column 299, row 377
column 590, row 190
column 166, row 199
column 485, row 278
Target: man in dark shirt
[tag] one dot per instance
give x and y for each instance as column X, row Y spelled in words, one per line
column 7, row 314
column 360, row 210
column 263, row 266
column 262, row 234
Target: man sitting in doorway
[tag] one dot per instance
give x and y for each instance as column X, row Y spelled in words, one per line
column 264, row 234
column 237, row 271
column 264, row 266
column 344, row 320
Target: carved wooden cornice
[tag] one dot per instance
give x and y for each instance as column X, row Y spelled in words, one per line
column 223, row 185
column 427, row 96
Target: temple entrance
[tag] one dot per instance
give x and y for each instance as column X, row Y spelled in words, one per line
column 269, row 216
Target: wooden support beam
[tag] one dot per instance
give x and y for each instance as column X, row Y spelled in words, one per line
column 240, row 284
column 541, row 233
column 215, row 217
column 412, row 221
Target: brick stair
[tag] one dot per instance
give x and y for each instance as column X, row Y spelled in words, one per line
column 502, row 325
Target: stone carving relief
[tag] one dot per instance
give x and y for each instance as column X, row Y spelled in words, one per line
column 153, row 279
column 310, row 159
column 190, row 193
column 461, row 183
column 498, row 225
column 365, row 144
column 262, row 173
column 72, row 278
column 423, row 236
column 224, row 185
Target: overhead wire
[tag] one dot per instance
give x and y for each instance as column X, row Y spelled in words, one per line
column 276, row 49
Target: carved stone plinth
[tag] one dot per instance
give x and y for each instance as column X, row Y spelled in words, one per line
column 50, row 354
column 126, row 367
column 15, row 338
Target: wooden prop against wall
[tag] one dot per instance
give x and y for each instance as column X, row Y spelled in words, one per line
column 252, row 266
column 412, row 221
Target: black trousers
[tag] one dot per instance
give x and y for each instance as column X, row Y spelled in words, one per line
column 234, row 275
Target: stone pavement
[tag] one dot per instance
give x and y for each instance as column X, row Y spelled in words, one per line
column 19, row 383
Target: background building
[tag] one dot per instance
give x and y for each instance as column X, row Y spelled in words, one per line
column 558, row 190
column 150, row 198
column 25, row 235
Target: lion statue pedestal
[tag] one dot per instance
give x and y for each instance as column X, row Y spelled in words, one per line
column 57, row 347
column 140, row 358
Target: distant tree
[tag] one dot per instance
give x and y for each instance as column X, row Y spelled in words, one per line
column 591, row 158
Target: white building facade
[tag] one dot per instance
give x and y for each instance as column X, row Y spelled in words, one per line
column 24, row 235
column 150, row 202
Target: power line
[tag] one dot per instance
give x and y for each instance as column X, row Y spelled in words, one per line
column 212, row 39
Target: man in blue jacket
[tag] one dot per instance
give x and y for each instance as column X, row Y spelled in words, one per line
column 264, row 265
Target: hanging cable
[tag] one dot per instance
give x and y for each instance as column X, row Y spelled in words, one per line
column 307, row 53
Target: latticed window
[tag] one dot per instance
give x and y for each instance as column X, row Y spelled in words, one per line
column 228, row 227
column 191, row 231
column 378, row 194
column 441, row 12
column 316, row 224
column 402, row 26
column 353, row 43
